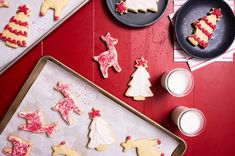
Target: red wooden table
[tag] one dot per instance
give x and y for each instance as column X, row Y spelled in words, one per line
column 78, row 40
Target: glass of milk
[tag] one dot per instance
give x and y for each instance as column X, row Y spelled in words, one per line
column 178, row 82
column 190, row 121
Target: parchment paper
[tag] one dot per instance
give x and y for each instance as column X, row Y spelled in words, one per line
column 42, row 95
column 38, row 26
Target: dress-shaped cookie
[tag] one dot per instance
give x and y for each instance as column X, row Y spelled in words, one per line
column 19, row 147
column 15, row 33
column 204, row 28
column 56, row 5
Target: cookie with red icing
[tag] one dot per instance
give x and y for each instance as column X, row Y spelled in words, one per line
column 204, row 28
column 15, row 33
column 56, row 5
column 121, row 7
column 19, row 147
column 4, row 3
column 35, row 123
column 67, row 105
column 144, row 147
column 108, row 58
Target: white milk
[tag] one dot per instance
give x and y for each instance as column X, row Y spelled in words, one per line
column 178, row 82
column 191, row 122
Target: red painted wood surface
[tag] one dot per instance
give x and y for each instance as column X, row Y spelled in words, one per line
column 78, row 40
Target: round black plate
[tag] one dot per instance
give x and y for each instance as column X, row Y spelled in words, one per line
column 223, row 36
column 137, row 19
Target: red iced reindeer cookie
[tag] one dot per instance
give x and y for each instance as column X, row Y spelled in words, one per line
column 4, row 3
column 35, row 123
column 204, row 28
column 144, row 147
column 15, row 33
column 68, row 104
column 108, row 58
column 19, row 147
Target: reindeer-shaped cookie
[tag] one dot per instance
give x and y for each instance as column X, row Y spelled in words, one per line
column 35, row 123
column 145, row 147
column 61, row 149
column 108, row 58
column 56, row 5
column 204, row 28
column 67, row 105
column 19, row 147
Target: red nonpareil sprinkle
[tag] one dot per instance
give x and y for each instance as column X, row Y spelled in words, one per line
column 62, row 143
column 159, row 142
column 128, row 137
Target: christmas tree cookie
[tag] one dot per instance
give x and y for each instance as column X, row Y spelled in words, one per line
column 35, row 123
column 140, row 85
column 144, row 147
column 100, row 134
column 15, row 33
column 68, row 104
column 4, row 3
column 136, row 6
column 204, row 28
column 108, row 58
column 56, row 5
column 62, row 149
column 19, row 147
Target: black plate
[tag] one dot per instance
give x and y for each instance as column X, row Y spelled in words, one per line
column 223, row 36
column 139, row 19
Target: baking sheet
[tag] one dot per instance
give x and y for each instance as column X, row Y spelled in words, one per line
column 41, row 95
column 38, row 26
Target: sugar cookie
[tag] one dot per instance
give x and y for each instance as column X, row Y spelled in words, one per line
column 19, row 147
column 108, row 58
column 100, row 133
column 139, row 86
column 61, row 149
column 204, row 28
column 144, row 147
column 143, row 6
column 35, row 123
column 56, row 5
column 15, row 33
column 67, row 105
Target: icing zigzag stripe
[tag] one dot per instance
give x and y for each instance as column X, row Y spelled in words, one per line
column 13, row 41
column 19, row 22
column 7, row 27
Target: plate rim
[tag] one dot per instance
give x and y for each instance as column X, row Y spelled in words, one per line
column 134, row 25
column 177, row 36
